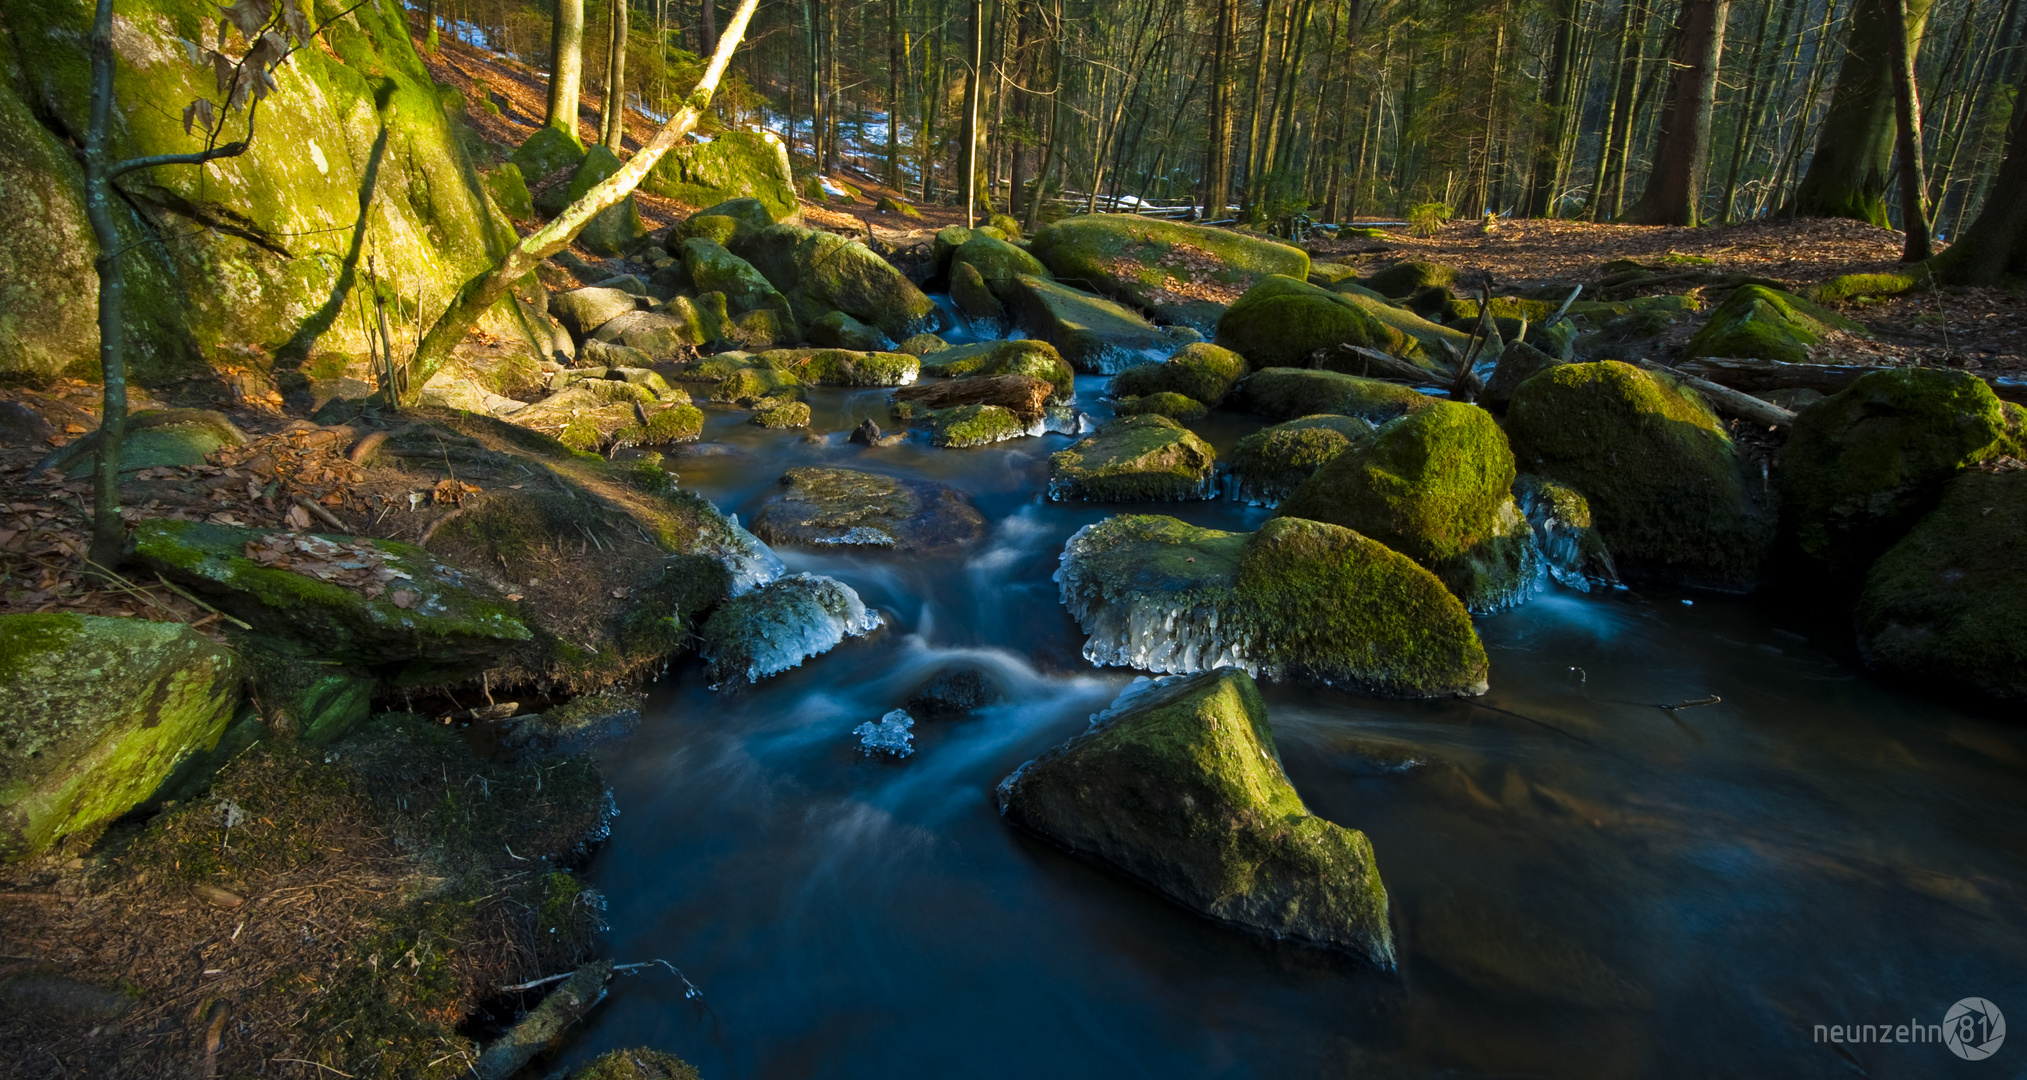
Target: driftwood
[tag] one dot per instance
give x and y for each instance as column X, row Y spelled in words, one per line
column 1729, row 401
column 1760, row 376
column 1022, row 395
column 564, row 1006
column 1378, row 365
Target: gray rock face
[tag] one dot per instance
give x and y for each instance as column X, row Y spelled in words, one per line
column 845, row 508
column 837, row 330
column 583, row 311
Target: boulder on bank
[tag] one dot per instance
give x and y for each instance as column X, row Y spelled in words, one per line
column 1179, row 785
column 1147, row 261
column 975, row 299
column 1268, row 465
column 1760, row 323
column 602, row 415
column 548, row 151
column 837, row 330
column 962, row 426
column 583, row 311
column 1299, row 600
column 1436, row 486
column 846, row 508
column 820, row 272
column 843, row 367
column 713, row 268
column 1283, row 320
column 1202, row 371
column 1134, row 459
column 1019, row 356
column 1405, row 279
column 1094, row 334
column 95, row 715
column 997, row 262
column 1166, row 403
column 155, row 437
column 732, row 165
column 1284, row 393
column 781, row 624
column 1658, row 467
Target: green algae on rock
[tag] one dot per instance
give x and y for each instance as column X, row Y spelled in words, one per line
column 1298, row 600
column 1094, row 334
column 712, row 268
column 847, row 508
column 1201, row 371
column 1284, row 393
column 1436, row 486
column 602, row 415
column 155, row 437
column 1147, row 261
column 1947, row 605
column 782, row 415
column 996, row 261
column 1267, row 465
column 962, row 426
column 1018, row 356
column 1134, row 459
column 843, row 367
column 95, row 715
column 1863, row 465
column 1759, row 323
column 1179, row 785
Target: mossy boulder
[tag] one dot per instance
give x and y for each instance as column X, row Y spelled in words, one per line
column 997, row 261
column 1610, row 322
column 1146, row 261
column 1134, row 459
column 1658, row 467
column 732, row 165
column 898, row 207
column 1179, row 785
column 1424, row 341
column 155, row 437
column 781, row 624
column 730, row 222
column 713, row 268
column 377, row 605
column 509, row 192
column 1282, row 393
column 1267, row 466
column 548, row 151
column 1018, row 356
column 820, row 272
column 962, row 426
column 948, row 240
column 639, row 1063
column 975, row 298
column 583, row 311
column 1298, row 600
column 1201, row 371
column 740, row 379
column 666, row 334
column 845, row 508
column 1947, row 605
column 838, row 330
column 1094, row 334
column 1864, row 465
column 95, row 715
column 1023, row 395
column 1405, row 279
column 922, row 344
column 1436, row 486
column 1517, row 364
column 1863, row 286
column 843, row 367
column 1572, row 551
column 1164, row 403
column 1283, row 321
column 602, row 415
column 781, row 415
column 1759, row 323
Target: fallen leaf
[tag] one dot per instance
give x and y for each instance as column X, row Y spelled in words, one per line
column 404, row 598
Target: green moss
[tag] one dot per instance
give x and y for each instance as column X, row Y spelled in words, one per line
column 1855, row 286
column 1014, row 357
column 1094, row 334
column 714, row 269
column 788, row 414
column 639, row 1063
column 1280, row 393
column 1862, row 466
column 1134, row 459
column 970, row 425
column 996, row 261
column 548, row 151
column 1759, row 323
column 733, row 165
column 1146, row 262
column 1419, row 339
column 1658, row 468
column 820, row 271
column 891, row 205
column 313, row 702
column 509, row 191
column 1268, row 464
column 973, row 297
column 1463, row 312
column 838, row 330
column 1329, row 275
column 1181, row 787
column 1282, row 321
column 1405, row 279
column 843, row 367
column 1947, row 605
column 1436, row 486
column 923, row 344
column 1164, row 403
column 1201, row 371
column 1008, row 226
column 1573, row 551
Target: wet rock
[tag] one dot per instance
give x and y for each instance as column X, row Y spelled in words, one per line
column 922, row 345
column 1658, row 467
column 845, row 508
column 1519, row 363
column 843, row 367
column 1166, row 403
column 1283, row 393
column 1268, row 465
column 1436, row 486
column 1147, row 261
column 1016, row 357
column 22, row 426
column 1572, row 551
column 974, row 298
column 1022, row 395
column 964, row 426
column 867, row 433
column 1202, row 371
column 1199, row 315
column 574, row 727
column 1134, row 459
column 155, row 437
column 954, row 692
column 891, row 205
column 781, row 415
column 740, row 379
column 893, row 735
column 838, row 330
column 1094, row 334
column 995, row 261
column 781, row 624
column 1298, row 600
column 583, row 311
column 1947, row 605
column 95, row 715
column 820, row 272
column 1283, row 321
column 1179, row 785
column 1759, row 323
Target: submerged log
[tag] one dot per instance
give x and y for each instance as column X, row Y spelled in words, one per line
column 1761, row 376
column 540, row 1029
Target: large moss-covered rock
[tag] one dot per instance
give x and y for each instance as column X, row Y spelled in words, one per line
column 583, row 311
column 996, row 261
column 1282, row 321
column 969, row 425
column 1146, row 262
column 838, row 330
column 1421, row 340
column 602, row 415
column 1094, row 334
column 975, row 299
column 1405, row 279
column 843, row 367
column 1658, row 467
column 1179, row 785
column 1019, row 356
column 1759, row 323
column 372, row 604
column 1282, row 393
column 1163, row 403
column 1436, row 486
column 666, row 334
column 1948, row 604
column 712, row 268
column 639, row 1063
column 740, row 379
column 1134, row 459
column 1863, row 465
column 1299, row 600
column 95, row 714
column 846, row 508
column 820, row 271
column 1268, row 465
column 548, row 151
column 1201, row 371
column 617, row 228
column 1517, row 364
column 732, row 165
column 155, row 437
column 781, row 624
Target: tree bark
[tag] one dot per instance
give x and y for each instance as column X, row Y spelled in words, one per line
column 895, row 62
column 1548, row 149
column 1675, row 186
column 614, row 118
column 109, row 533
column 1907, row 117
column 1995, row 243
column 489, row 286
column 1850, row 173
column 972, row 78
column 1218, row 154
column 566, row 66
column 708, row 17
column 1615, row 149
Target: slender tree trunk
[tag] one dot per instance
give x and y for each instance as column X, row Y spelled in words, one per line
column 1618, row 151
column 1850, row 172
column 1757, row 87
column 566, row 66
column 1675, row 186
column 707, row 21
column 109, row 533
column 1791, row 161
column 971, row 86
column 1548, row 149
column 1049, row 148
column 615, row 79
column 1907, row 117
column 932, row 98
column 1253, row 125
column 1995, row 243
column 895, row 55
column 1218, row 152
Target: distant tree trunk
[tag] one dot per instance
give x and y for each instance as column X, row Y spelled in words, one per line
column 1758, row 85
column 1995, row 243
column 1055, row 126
column 932, row 99
column 1615, row 148
column 1849, row 175
column 1675, row 186
column 1913, row 176
column 1541, row 184
column 896, row 61
column 971, row 86
column 708, row 21
column 1253, row 125
column 615, row 80
column 1218, row 152
column 566, row 66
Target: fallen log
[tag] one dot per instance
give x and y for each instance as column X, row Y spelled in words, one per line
column 1762, row 376
column 1022, row 395
column 1374, row 364
column 1729, row 401
column 564, row 1006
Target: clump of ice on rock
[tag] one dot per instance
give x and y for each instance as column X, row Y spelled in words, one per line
column 892, row 735
column 781, row 624
column 1177, row 633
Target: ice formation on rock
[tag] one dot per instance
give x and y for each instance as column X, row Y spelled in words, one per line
column 893, row 735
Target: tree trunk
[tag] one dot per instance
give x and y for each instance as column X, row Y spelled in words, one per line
column 972, row 78
column 1913, row 176
column 1253, row 125
column 1849, row 175
column 1995, row 243
column 1613, row 150
column 1760, row 80
column 1055, row 127
column 489, row 286
column 708, row 20
column 1548, row 149
column 614, row 116
column 109, row 532
column 1675, row 186
column 1218, row 154
column 566, row 66
column 895, row 58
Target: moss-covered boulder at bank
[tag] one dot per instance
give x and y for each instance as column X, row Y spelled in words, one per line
column 846, row 508
column 1517, row 364
column 1268, row 465
column 732, row 165
column 996, row 261
column 1863, row 465
column 373, row 604
column 739, row 379
column 1165, row 403
column 95, row 715
column 1298, row 600
column 1405, row 279
column 1947, row 605
column 1179, row 785
column 837, row 330
column 842, row 367
column 616, row 228
column 639, row 1063
column 1436, row 486
column 975, row 299
column 548, row 151
column 1758, row 323
column 583, row 311
column 1018, row 356
column 1143, row 458
column 781, row 624
column 1283, row 393
column 961, row 426
column 1201, row 371
column 1659, row 469
column 1282, row 321
column 1146, row 262
column 155, row 437
column 1094, row 334
column 1571, row 550
column 603, row 415
column 820, row 272
column 712, row 268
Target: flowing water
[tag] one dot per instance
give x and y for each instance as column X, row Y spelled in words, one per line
column 1583, row 883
